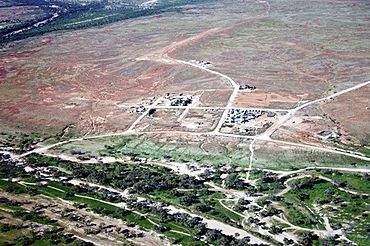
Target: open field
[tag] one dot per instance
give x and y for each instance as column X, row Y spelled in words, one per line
column 281, row 52
column 267, row 46
column 288, row 157
column 268, row 100
column 192, row 150
column 90, row 82
column 192, row 120
column 353, row 120
column 306, row 125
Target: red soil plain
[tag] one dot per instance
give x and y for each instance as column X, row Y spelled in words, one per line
column 292, row 51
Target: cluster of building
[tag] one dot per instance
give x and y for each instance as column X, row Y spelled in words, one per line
column 181, row 100
column 240, row 116
column 140, row 109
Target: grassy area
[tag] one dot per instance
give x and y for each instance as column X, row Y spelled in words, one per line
column 207, row 205
column 361, row 149
column 142, row 146
column 254, row 174
column 303, row 209
column 217, row 154
column 12, row 187
column 292, row 159
column 228, row 213
column 59, row 186
column 173, row 226
column 25, row 215
column 11, row 236
column 343, row 209
column 12, row 207
column 51, row 192
column 182, row 239
column 355, row 182
column 165, row 196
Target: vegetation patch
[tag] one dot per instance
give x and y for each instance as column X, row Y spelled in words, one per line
column 311, row 197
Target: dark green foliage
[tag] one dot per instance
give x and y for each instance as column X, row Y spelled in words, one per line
column 270, row 183
column 8, row 169
column 189, row 199
column 76, row 16
column 140, row 179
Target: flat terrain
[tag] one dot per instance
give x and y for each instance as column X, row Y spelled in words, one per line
column 288, row 57
column 232, row 122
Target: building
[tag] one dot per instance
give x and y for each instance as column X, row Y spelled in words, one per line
column 327, row 135
column 240, row 116
column 205, row 64
column 140, row 109
column 181, row 100
column 246, row 87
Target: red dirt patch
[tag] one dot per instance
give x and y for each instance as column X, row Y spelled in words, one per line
column 261, row 99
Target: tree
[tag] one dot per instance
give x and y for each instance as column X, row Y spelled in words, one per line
column 233, row 181
column 24, row 241
column 303, row 196
column 213, row 235
column 163, row 216
column 199, row 230
column 202, row 207
column 329, row 241
column 276, row 230
column 188, row 200
column 307, row 239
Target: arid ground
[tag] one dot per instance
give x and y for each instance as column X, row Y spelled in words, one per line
column 292, row 51
column 253, row 114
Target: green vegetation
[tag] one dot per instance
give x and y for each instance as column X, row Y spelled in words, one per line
column 356, row 148
column 111, row 210
column 158, row 183
column 144, row 147
column 300, row 215
column 12, row 187
column 202, row 202
column 269, row 183
column 32, row 216
column 177, row 238
column 233, row 216
column 355, row 182
column 311, row 196
column 141, row 179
